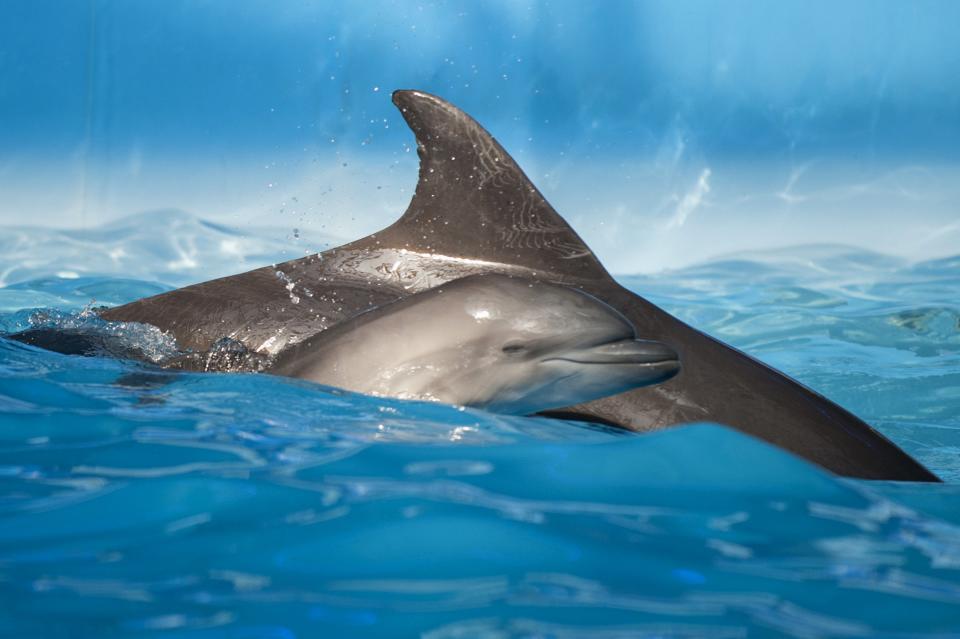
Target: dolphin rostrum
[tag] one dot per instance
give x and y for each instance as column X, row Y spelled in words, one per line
column 475, row 212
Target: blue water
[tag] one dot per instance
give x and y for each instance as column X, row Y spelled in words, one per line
column 141, row 504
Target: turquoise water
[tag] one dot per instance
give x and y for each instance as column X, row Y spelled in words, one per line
column 134, row 503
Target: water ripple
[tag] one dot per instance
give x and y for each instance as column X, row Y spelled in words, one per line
column 135, row 502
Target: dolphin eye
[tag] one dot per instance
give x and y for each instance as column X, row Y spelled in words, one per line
column 514, row 348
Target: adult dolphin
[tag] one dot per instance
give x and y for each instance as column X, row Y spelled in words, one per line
column 474, row 211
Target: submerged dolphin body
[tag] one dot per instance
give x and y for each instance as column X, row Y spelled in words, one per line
column 474, row 212
column 507, row 344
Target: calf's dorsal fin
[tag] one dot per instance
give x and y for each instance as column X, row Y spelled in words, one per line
column 472, row 200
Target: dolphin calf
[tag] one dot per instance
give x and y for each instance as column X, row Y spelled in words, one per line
column 474, row 212
column 510, row 345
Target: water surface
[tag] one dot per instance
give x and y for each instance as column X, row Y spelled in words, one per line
column 137, row 503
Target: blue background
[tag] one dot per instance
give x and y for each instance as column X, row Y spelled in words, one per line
column 666, row 132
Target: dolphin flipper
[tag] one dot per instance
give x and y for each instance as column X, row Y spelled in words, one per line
column 474, row 211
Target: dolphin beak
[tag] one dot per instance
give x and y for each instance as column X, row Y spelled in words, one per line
column 632, row 351
column 626, row 351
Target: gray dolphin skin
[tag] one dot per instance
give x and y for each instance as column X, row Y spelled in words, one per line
column 475, row 212
column 510, row 345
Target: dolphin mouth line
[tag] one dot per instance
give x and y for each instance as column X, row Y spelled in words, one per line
column 616, row 361
column 621, row 352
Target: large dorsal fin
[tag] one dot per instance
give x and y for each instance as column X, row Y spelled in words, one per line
column 473, row 201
